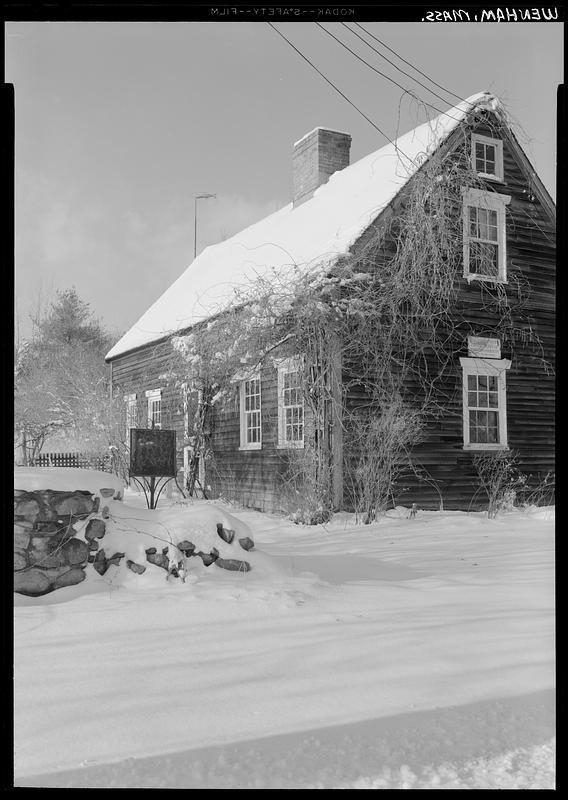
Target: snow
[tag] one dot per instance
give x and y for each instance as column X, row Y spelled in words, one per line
column 65, row 479
column 411, row 653
column 309, row 237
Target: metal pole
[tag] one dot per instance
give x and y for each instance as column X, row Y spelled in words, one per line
column 198, row 196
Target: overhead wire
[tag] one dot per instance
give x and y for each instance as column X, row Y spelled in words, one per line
column 388, row 78
column 381, row 55
column 376, row 38
column 370, row 121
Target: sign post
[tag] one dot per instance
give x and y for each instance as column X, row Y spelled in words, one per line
column 152, row 461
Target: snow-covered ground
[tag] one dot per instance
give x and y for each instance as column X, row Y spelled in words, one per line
column 412, row 653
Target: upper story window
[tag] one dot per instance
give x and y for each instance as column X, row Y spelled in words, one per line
column 484, row 403
column 484, row 235
column 154, row 408
column 290, row 405
column 487, row 157
column 251, row 407
column 131, row 413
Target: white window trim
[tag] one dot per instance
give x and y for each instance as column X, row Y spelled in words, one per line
column 243, row 428
column 130, row 399
column 284, row 366
column 492, row 202
column 498, row 145
column 153, row 394
column 486, row 366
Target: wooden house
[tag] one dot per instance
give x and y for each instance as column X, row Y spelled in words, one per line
column 498, row 374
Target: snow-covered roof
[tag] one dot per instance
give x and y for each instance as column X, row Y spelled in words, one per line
column 309, row 237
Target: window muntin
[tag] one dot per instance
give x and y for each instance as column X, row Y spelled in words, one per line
column 487, row 156
column 290, row 404
column 484, row 403
column 154, row 408
column 251, row 414
column 293, row 408
column 131, row 413
column 483, row 407
column 484, row 233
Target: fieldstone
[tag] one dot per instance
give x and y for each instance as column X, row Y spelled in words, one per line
column 91, row 558
column 107, row 492
column 23, row 524
column 20, row 561
column 226, row 535
column 118, row 496
column 246, row 543
column 46, row 528
column 93, row 545
column 76, row 504
column 137, row 568
column 187, row 548
column 150, row 551
column 159, row 559
column 75, row 551
column 21, row 538
column 27, row 508
column 96, row 505
column 95, row 529
column 105, row 513
column 47, row 561
column 70, row 578
column 100, row 562
column 32, row 583
column 233, row 564
column 207, row 558
column 115, row 559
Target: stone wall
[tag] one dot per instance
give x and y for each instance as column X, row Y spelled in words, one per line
column 48, row 553
column 58, row 535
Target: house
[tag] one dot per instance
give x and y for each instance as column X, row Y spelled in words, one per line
column 423, row 276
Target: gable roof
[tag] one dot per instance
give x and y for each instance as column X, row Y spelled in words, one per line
column 309, row 237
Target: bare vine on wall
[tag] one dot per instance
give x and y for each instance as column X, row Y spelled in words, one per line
column 389, row 319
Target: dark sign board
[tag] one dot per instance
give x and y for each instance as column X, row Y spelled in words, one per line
column 152, row 452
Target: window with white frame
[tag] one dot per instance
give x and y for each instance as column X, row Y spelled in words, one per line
column 154, row 397
column 484, row 235
column 131, row 415
column 484, row 403
column 487, row 156
column 290, row 404
column 251, row 407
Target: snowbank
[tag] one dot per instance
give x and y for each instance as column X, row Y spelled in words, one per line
column 411, row 653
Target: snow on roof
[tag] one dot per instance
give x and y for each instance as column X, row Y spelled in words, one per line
column 320, row 128
column 311, row 236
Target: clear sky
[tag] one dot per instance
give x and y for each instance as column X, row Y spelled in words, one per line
column 119, row 124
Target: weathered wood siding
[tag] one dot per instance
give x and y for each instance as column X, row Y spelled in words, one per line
column 531, row 260
column 255, row 478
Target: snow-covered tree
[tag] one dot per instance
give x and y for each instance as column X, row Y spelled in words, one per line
column 61, row 380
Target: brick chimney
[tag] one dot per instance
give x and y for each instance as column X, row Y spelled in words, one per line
column 317, row 155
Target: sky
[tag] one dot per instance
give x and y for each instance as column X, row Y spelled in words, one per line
column 119, row 125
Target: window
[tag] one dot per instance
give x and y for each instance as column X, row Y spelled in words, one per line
column 131, row 415
column 487, row 156
column 290, row 405
column 484, row 403
column 251, row 426
column 484, row 235
column 154, row 408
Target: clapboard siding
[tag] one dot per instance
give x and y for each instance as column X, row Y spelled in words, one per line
column 531, row 262
column 258, row 478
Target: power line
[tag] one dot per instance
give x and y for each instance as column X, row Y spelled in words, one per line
column 372, row 35
column 382, row 74
column 374, row 49
column 338, row 90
